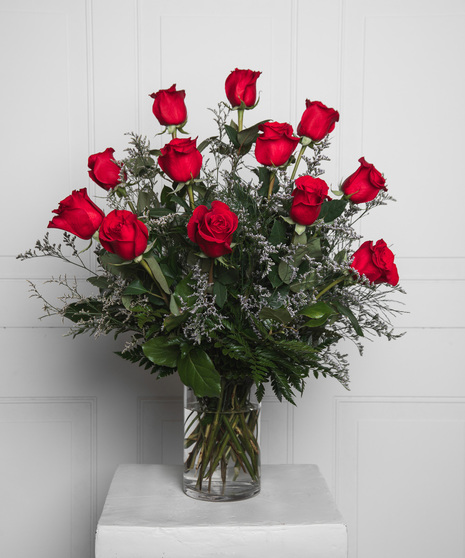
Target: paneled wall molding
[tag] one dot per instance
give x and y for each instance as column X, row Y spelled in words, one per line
column 395, row 455
column 50, row 466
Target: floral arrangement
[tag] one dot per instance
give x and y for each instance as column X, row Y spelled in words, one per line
column 222, row 276
column 229, row 261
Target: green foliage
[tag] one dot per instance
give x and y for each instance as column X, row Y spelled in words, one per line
column 271, row 311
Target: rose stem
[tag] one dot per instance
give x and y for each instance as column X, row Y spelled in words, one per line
column 210, row 273
column 145, row 265
column 270, row 187
column 299, row 157
column 330, row 286
column 240, row 119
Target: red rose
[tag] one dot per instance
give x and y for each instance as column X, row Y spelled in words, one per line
column 309, row 194
column 168, row 106
column 104, row 171
column 180, row 159
column 364, row 184
column 241, row 87
column 317, row 121
column 376, row 262
column 276, row 144
column 78, row 215
column 212, row 229
column 123, row 234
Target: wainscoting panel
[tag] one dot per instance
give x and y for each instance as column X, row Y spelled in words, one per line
column 400, row 480
column 47, row 487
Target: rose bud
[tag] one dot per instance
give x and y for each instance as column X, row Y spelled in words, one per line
column 212, row 229
column 309, row 194
column 364, row 184
column 376, row 262
column 241, row 87
column 169, row 107
column 78, row 215
column 276, row 144
column 123, row 234
column 181, row 160
column 104, row 171
column 317, row 121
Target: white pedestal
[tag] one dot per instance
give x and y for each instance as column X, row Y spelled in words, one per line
column 146, row 515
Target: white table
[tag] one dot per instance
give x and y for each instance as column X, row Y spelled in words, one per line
column 146, row 515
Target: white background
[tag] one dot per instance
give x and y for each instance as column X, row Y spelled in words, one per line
column 76, row 75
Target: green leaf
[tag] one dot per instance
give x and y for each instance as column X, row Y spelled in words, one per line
column 232, row 134
column 249, row 135
column 98, row 281
column 135, row 288
column 197, row 371
column 183, row 289
column 314, row 248
column 174, row 306
column 226, row 275
column 220, row 292
column 278, row 233
column 317, row 322
column 285, row 272
column 347, row 312
column 317, row 310
column 113, row 263
column 300, row 239
column 144, row 200
column 172, row 322
column 274, row 278
column 162, row 351
column 279, row 315
column 157, row 272
column 77, row 311
column 332, row 209
column 160, row 212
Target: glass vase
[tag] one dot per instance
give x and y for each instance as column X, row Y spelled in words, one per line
column 221, row 444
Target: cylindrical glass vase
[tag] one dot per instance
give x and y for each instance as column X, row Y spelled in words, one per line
column 221, row 445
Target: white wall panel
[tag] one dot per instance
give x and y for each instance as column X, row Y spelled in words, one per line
column 47, row 476
column 399, row 478
column 43, row 112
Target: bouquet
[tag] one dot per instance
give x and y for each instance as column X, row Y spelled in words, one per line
column 229, row 261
